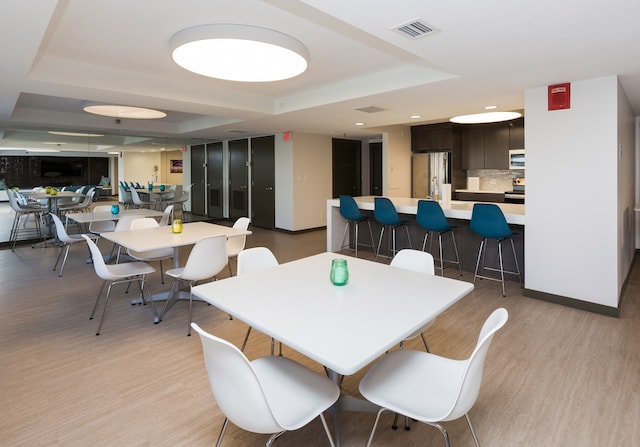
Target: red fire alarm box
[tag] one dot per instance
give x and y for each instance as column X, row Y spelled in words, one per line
column 560, row 96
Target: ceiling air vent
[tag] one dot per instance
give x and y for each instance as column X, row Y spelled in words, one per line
column 415, row 29
column 369, row 109
column 235, row 131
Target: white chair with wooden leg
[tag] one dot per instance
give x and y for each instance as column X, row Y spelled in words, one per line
column 269, row 395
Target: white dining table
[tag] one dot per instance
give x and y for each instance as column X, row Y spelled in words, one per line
column 85, row 218
column 148, row 239
column 344, row 328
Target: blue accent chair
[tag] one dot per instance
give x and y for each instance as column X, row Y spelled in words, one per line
column 385, row 213
column 488, row 221
column 431, row 218
column 351, row 213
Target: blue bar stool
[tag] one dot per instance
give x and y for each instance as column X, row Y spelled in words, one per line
column 349, row 210
column 431, row 218
column 488, row 221
column 386, row 215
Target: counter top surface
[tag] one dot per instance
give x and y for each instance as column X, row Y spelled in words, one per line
column 457, row 209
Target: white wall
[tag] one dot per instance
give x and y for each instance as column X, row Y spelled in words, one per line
column 572, row 231
column 284, row 181
column 303, row 181
column 396, row 160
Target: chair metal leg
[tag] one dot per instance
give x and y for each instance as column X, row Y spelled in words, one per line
column 62, row 249
column 473, row 432
column 326, row 430
column 246, row 339
column 104, row 311
column 380, row 241
column 475, row 275
column 273, row 438
column 501, row 267
column 515, row 258
column 375, row 424
column 190, row 307
column 224, row 428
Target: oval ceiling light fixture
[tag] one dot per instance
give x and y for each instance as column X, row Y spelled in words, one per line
column 239, row 53
column 489, row 117
column 116, row 111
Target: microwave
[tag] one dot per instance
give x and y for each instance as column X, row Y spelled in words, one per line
column 516, row 159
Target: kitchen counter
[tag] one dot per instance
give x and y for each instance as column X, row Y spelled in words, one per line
column 514, row 213
column 460, row 211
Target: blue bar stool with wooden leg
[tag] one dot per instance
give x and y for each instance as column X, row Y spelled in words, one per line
column 349, row 210
column 488, row 221
column 431, row 217
column 386, row 215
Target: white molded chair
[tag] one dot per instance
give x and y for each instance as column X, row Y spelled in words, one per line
column 103, row 226
column 160, row 254
column 207, row 258
column 251, row 260
column 179, row 202
column 269, row 395
column 117, row 274
column 167, row 217
column 137, row 201
column 421, row 262
column 67, row 240
column 236, row 244
column 430, row 388
column 24, row 211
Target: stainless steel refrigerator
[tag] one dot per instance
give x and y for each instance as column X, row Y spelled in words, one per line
column 428, row 170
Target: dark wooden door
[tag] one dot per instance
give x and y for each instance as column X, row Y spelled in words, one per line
column 215, row 187
column 375, row 169
column 263, row 197
column 198, row 187
column 238, row 178
column 346, row 167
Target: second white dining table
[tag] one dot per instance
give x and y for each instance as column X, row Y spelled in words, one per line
column 162, row 237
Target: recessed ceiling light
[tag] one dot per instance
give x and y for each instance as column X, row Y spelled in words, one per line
column 489, row 117
column 239, row 53
column 415, row 117
column 42, row 150
column 359, row 124
column 490, row 107
column 75, row 134
column 116, row 111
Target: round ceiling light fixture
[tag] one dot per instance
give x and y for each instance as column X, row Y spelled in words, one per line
column 489, row 117
column 239, row 53
column 116, row 111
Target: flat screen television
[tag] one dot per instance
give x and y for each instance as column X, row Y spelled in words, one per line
column 53, row 167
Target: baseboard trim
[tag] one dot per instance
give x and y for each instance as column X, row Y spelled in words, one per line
column 572, row 302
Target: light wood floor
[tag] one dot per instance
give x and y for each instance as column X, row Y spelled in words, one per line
column 554, row 376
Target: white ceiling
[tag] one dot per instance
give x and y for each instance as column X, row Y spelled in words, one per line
column 60, row 54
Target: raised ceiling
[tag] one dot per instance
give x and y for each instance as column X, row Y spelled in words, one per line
column 62, row 54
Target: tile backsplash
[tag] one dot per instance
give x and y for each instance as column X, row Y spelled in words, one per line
column 495, row 179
